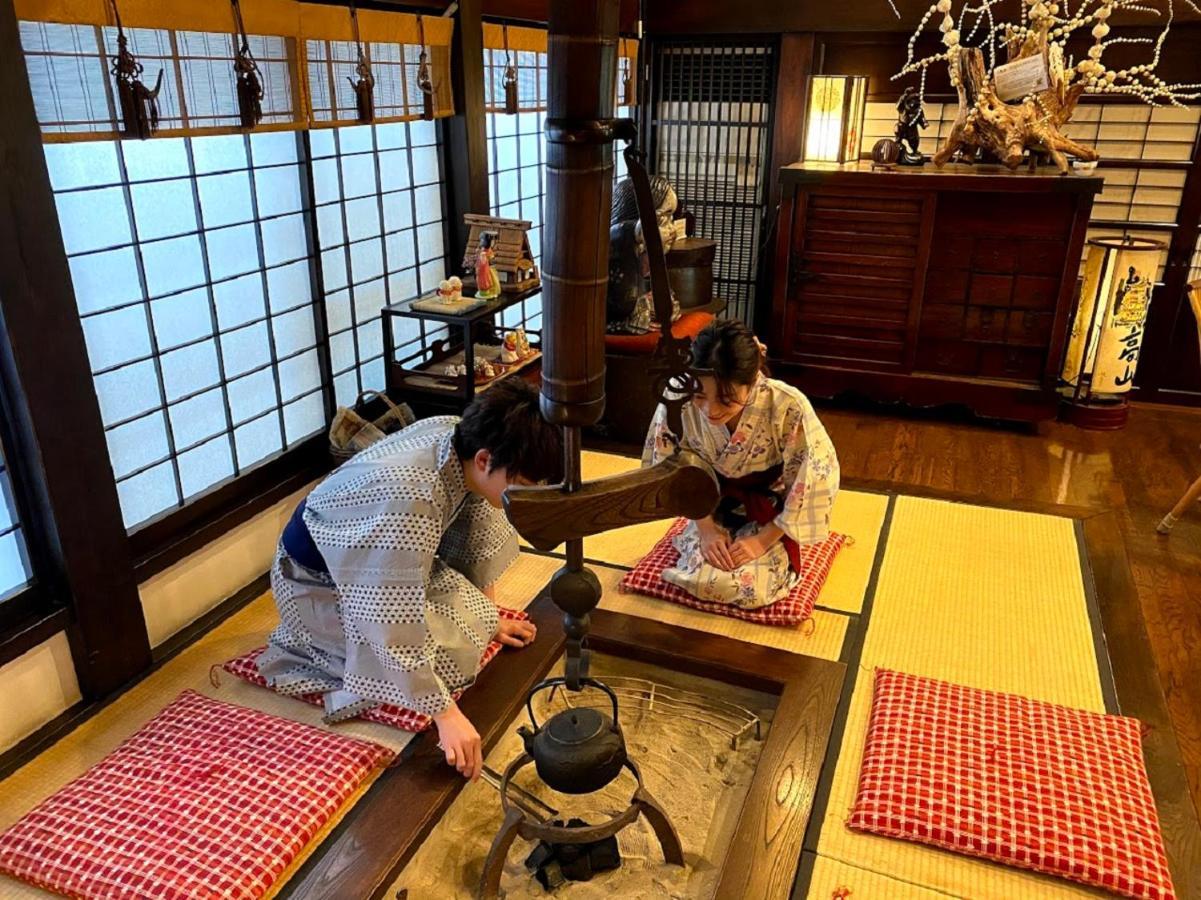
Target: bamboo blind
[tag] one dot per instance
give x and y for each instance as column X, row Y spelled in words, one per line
column 306, row 58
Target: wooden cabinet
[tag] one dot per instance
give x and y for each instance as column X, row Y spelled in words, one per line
column 928, row 287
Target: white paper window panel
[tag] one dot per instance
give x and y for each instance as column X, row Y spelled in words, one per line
column 166, row 209
column 245, row 349
column 137, row 444
column 14, row 564
column 342, row 350
column 331, row 231
column 371, row 341
column 252, row 394
column 116, row 337
column 299, row 375
column 371, row 374
column 221, row 153
column 294, row 332
column 427, row 201
column 398, row 210
column 224, row 199
column 369, row 299
column 197, row 419
column 189, row 369
column 358, row 176
column 270, row 148
column 289, row 285
column 231, row 251
column 8, row 506
column 104, row 280
column 366, row 259
column 128, row 392
column 89, row 164
column 239, row 300
column 1136, row 131
column 93, row 219
column 333, row 270
column 303, row 418
column 430, row 274
column 204, row 467
column 181, row 318
column 346, row 387
column 284, row 239
column 148, row 494
column 402, row 285
column 175, row 264
column 362, row 219
column 258, row 439
column 401, row 248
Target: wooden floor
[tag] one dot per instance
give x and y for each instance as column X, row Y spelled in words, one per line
column 1139, row 472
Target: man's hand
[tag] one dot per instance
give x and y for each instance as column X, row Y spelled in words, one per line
column 715, row 545
column 460, row 742
column 515, row 632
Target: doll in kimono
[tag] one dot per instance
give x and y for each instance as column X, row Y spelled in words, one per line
column 487, row 283
column 385, row 575
column 775, row 464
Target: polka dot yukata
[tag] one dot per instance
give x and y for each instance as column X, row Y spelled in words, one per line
column 400, row 618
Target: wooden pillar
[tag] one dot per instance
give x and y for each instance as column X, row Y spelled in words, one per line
column 51, row 404
column 464, row 135
column 1170, row 309
column 581, row 68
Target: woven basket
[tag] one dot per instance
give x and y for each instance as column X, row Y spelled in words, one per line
column 350, row 432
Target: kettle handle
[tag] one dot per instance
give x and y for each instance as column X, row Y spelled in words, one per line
column 555, row 682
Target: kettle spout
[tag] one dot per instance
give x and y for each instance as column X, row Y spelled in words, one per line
column 527, row 738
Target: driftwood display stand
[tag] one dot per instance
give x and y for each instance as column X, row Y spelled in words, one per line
column 1006, row 130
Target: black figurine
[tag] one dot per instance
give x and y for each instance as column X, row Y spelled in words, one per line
column 910, row 118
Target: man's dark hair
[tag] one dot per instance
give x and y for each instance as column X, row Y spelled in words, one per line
column 505, row 420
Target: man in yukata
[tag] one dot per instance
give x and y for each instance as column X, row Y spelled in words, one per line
column 385, row 577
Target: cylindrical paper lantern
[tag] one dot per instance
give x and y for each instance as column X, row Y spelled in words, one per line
column 1107, row 333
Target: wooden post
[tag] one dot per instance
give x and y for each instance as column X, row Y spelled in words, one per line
column 464, row 135
column 52, row 405
column 581, row 68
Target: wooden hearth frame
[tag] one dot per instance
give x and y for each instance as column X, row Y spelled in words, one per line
column 371, row 846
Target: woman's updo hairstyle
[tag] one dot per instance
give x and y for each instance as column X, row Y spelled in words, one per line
column 728, row 351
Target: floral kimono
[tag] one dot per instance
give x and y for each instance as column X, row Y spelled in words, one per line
column 777, row 466
column 378, row 577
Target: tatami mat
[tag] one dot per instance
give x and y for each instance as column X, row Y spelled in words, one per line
column 103, row 732
column 984, row 597
column 857, row 514
column 822, row 636
column 837, row 881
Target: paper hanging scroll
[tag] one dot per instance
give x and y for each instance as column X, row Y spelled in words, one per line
column 1107, row 334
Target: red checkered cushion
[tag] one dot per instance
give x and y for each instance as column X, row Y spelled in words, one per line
column 1017, row 781
column 816, row 559
column 206, row 800
column 246, row 668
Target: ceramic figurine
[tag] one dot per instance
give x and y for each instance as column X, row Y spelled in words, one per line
column 445, row 292
column 523, row 343
column 484, row 371
column 456, row 288
column 509, row 350
column 487, row 284
column 910, row 118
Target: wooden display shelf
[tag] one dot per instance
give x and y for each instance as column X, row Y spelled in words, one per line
column 431, row 377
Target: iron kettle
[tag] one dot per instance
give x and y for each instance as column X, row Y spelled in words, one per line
column 576, row 751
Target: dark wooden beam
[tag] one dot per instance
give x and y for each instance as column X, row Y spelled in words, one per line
column 665, row 17
column 1170, row 336
column 51, row 404
column 464, row 135
column 537, row 12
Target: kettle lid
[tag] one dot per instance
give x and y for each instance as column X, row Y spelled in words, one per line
column 577, row 726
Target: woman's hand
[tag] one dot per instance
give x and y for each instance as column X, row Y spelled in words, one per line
column 515, row 632
column 715, row 545
column 752, row 546
column 459, row 740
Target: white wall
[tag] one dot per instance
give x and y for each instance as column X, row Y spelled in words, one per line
column 182, row 593
column 34, row 688
column 41, row 684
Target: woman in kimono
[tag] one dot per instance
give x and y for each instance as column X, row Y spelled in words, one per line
column 385, row 576
column 777, row 470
